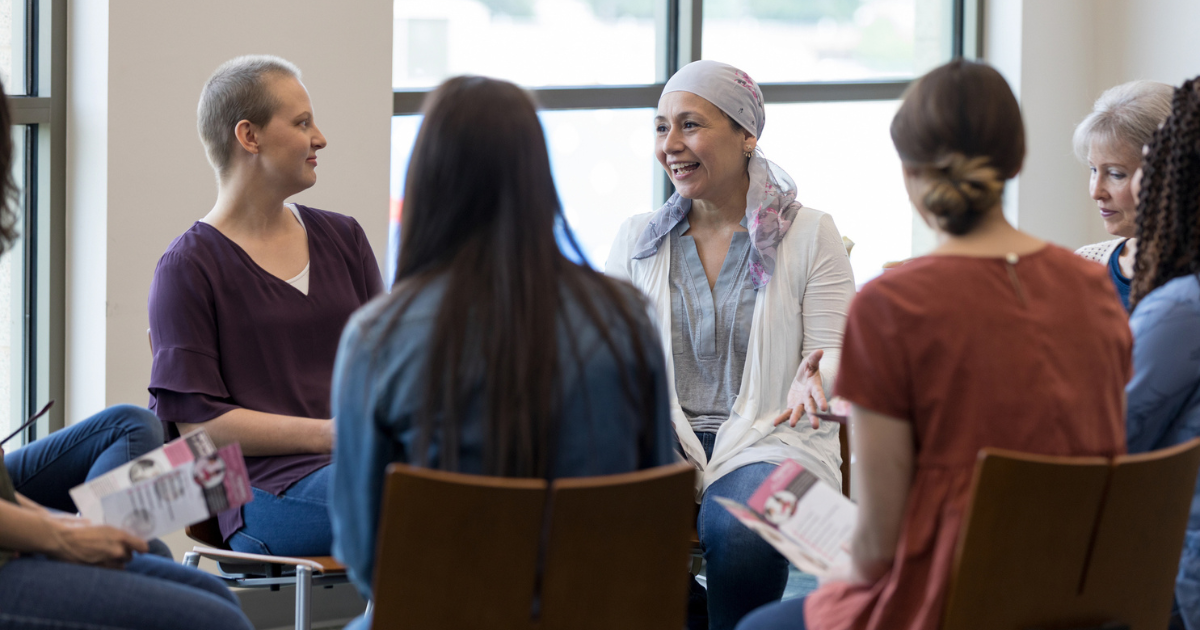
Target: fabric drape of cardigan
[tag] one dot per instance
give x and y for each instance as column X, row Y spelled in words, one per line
column 801, row 309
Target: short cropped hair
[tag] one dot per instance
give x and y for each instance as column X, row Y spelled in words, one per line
column 237, row 91
column 1124, row 116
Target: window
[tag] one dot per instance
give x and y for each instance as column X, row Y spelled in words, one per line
column 32, row 68
column 831, row 73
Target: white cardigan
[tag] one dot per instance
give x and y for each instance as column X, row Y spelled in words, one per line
column 802, row 309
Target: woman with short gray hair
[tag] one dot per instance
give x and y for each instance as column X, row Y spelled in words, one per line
column 247, row 306
column 1110, row 141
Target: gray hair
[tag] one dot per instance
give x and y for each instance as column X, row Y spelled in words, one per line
column 237, row 91
column 1126, row 115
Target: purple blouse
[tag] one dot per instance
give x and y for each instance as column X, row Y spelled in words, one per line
column 228, row 335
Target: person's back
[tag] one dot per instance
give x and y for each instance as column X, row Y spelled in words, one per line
column 1021, row 356
column 494, row 354
column 994, row 339
column 381, row 375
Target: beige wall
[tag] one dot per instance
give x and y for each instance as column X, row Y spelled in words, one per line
column 1059, row 56
column 139, row 177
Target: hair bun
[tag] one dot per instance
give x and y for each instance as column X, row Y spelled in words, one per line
column 961, row 191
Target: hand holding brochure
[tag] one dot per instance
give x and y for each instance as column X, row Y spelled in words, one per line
column 169, row 488
column 804, row 518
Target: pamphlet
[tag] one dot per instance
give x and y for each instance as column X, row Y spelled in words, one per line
column 804, row 518
column 186, row 481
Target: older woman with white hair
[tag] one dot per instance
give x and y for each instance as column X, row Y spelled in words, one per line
column 1110, row 140
column 750, row 290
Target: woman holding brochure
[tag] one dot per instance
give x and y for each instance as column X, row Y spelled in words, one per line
column 60, row 571
column 751, row 289
column 995, row 338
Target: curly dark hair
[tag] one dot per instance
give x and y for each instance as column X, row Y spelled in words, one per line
column 8, row 187
column 1168, row 217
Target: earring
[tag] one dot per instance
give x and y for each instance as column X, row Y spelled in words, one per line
column 749, row 152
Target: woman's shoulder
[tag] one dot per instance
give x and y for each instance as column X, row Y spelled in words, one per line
column 200, row 246
column 1099, row 252
column 342, row 224
column 1178, row 294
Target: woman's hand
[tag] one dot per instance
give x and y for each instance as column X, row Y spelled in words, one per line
column 806, row 393
column 77, row 540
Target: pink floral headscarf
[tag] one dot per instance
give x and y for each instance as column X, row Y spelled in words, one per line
column 771, row 200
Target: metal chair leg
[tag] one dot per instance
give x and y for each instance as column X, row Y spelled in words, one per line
column 303, row 591
column 191, row 559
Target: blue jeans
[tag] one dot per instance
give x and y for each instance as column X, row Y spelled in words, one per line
column 152, row 593
column 744, row 572
column 295, row 523
column 48, row 468
column 787, row 615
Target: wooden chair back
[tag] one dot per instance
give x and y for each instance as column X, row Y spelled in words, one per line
column 468, row 551
column 618, row 550
column 1071, row 542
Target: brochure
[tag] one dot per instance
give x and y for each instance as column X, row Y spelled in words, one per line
column 804, row 518
column 186, row 481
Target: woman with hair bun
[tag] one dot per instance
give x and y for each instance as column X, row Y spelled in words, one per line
column 994, row 339
column 1164, row 394
column 1110, row 141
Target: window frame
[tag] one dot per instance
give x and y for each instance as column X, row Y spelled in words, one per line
column 679, row 43
column 42, row 113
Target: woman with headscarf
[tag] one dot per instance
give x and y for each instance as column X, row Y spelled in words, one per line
column 750, row 289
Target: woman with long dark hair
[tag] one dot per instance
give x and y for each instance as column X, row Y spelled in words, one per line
column 58, row 570
column 995, row 338
column 1164, row 394
column 494, row 353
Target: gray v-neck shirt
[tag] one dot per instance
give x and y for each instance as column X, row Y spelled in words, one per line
column 710, row 329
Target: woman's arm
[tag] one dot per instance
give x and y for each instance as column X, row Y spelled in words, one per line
column 882, row 474
column 262, row 434
column 1166, row 358
column 64, row 537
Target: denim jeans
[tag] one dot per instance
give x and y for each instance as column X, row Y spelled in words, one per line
column 48, row 468
column 744, row 571
column 787, row 615
column 295, row 523
column 152, row 593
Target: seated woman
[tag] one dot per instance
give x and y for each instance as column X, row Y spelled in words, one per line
column 751, row 290
column 247, row 306
column 494, row 353
column 1164, row 394
column 1110, row 140
column 59, row 571
column 994, row 339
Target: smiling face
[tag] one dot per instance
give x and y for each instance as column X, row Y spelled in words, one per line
column 289, row 142
column 1113, row 167
column 699, row 147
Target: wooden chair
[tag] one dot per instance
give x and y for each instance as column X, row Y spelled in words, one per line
column 252, row 570
column 1084, row 542
column 467, row 551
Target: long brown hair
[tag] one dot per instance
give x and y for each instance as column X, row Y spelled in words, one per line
column 481, row 210
column 1168, row 216
column 8, row 188
column 960, row 126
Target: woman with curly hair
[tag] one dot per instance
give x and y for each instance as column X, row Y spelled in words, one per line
column 1164, row 395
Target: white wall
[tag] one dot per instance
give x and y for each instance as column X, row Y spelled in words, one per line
column 138, row 176
column 1059, row 56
